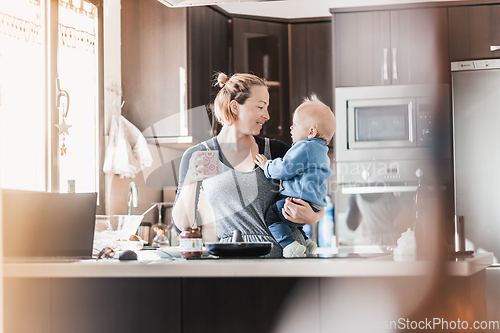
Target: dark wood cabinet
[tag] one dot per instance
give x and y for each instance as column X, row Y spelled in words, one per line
column 156, row 305
column 360, row 42
column 170, row 57
column 420, row 38
column 83, row 305
column 153, row 61
column 474, row 32
column 311, row 62
column 208, row 52
column 261, row 48
column 391, row 47
column 243, row 305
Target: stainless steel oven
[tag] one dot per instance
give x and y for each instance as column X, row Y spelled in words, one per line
column 392, row 134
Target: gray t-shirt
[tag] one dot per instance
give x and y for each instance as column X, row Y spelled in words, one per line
column 239, row 200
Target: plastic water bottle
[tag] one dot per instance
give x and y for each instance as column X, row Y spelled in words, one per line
column 307, row 230
column 326, row 226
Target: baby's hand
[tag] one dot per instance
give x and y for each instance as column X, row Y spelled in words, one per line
column 260, row 160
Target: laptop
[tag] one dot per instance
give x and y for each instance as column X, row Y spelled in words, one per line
column 42, row 226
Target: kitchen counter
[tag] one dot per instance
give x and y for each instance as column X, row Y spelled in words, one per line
column 116, row 296
column 369, row 265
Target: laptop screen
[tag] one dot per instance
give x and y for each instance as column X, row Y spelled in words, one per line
column 45, row 225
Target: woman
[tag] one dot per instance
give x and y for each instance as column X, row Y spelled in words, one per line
column 239, row 196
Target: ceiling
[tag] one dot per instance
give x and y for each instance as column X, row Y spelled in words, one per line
column 293, row 9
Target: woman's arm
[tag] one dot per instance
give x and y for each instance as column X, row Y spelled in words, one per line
column 299, row 211
column 191, row 171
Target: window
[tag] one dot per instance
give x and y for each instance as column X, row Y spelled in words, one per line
column 78, row 76
column 22, row 96
column 47, row 81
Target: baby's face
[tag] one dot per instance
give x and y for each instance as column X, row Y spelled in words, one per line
column 299, row 129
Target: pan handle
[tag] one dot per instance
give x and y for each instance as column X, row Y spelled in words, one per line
column 237, row 238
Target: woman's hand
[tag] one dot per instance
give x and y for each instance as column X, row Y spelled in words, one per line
column 260, row 160
column 299, row 211
column 197, row 168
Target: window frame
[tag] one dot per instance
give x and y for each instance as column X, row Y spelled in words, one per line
column 51, row 41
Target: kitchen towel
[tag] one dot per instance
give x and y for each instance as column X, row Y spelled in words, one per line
column 127, row 153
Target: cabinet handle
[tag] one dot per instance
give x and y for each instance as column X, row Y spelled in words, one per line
column 410, row 116
column 386, row 75
column 394, row 64
column 494, row 48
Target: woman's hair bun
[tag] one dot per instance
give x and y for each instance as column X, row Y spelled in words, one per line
column 222, row 79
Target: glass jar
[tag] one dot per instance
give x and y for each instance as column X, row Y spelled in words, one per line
column 191, row 243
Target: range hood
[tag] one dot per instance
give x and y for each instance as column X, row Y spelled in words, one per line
column 186, row 3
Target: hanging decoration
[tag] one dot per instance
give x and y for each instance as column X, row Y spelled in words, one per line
column 77, row 39
column 20, row 29
column 29, row 31
column 84, row 7
column 64, row 107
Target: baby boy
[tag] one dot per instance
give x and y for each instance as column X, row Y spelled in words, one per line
column 304, row 171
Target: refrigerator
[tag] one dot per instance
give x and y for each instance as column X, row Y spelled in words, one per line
column 476, row 145
column 476, row 150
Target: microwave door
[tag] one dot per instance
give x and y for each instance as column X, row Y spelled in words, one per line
column 387, row 123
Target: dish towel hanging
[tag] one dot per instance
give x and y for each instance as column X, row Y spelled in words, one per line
column 127, row 152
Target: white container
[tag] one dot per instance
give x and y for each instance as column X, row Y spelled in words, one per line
column 326, row 227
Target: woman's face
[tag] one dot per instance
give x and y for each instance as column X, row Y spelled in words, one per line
column 253, row 113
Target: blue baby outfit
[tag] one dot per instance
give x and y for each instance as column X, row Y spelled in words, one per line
column 304, row 171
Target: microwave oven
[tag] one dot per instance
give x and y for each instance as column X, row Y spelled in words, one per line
column 393, row 122
column 403, row 125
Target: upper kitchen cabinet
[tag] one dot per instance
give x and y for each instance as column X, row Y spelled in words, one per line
column 261, row 48
column 153, row 62
column 208, row 49
column 362, row 42
column 391, row 47
column 311, row 62
column 169, row 57
column 474, row 32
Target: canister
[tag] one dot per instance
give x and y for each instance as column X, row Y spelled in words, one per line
column 143, row 231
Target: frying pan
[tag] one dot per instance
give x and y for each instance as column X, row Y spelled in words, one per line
column 238, row 248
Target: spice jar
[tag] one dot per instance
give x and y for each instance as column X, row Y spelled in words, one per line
column 191, row 243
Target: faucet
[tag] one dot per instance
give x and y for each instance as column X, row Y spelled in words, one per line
column 133, row 197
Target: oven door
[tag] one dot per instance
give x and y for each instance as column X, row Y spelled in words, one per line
column 381, row 123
